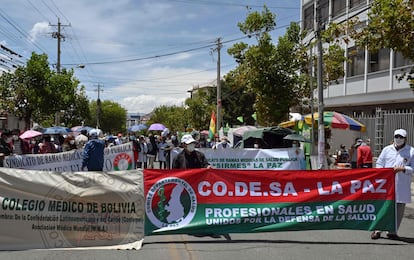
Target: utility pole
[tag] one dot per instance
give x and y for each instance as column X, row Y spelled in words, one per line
column 321, row 128
column 218, row 116
column 98, row 106
column 59, row 36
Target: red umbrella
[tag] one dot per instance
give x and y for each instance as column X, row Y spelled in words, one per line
column 30, row 134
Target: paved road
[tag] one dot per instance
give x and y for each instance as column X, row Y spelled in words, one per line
column 309, row 245
column 318, row 245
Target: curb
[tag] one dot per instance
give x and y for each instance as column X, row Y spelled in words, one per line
column 411, row 205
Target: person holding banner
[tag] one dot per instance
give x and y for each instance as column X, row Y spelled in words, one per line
column 400, row 156
column 190, row 158
column 5, row 149
column 93, row 153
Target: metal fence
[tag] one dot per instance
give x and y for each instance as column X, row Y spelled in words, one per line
column 381, row 126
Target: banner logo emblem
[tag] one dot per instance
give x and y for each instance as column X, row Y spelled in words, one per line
column 171, row 203
column 122, row 162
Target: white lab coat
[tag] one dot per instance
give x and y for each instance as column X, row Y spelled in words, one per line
column 389, row 158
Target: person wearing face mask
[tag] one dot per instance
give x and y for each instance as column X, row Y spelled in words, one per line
column 224, row 144
column 19, row 146
column 5, row 149
column 364, row 155
column 399, row 156
column 190, row 158
column 69, row 144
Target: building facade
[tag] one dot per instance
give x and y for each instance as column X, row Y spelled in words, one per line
column 370, row 85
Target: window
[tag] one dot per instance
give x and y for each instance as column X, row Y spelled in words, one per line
column 324, row 4
column 338, row 7
column 354, row 3
column 400, row 61
column 356, row 64
column 379, row 60
column 308, row 18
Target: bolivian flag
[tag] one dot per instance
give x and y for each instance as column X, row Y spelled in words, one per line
column 212, row 128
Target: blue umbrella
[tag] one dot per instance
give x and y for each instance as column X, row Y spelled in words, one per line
column 56, row 130
column 87, row 128
column 136, row 128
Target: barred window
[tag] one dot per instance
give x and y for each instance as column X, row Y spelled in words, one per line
column 308, row 18
column 379, row 60
column 338, row 7
column 356, row 63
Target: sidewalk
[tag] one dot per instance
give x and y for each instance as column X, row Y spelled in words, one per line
column 411, row 205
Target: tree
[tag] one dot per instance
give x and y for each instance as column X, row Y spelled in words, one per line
column 391, row 25
column 24, row 92
column 112, row 118
column 268, row 71
column 173, row 117
column 236, row 102
column 199, row 107
column 36, row 93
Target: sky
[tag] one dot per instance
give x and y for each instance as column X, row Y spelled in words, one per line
column 141, row 54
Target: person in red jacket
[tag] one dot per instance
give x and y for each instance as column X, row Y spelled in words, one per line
column 364, row 157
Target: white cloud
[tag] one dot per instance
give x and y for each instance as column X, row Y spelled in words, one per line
column 146, row 103
column 39, row 29
column 144, row 31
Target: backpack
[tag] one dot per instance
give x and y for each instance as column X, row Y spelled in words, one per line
column 343, row 156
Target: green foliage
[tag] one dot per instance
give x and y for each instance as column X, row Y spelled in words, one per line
column 199, row 107
column 267, row 71
column 236, row 102
column 112, row 117
column 173, row 117
column 391, row 25
column 36, row 93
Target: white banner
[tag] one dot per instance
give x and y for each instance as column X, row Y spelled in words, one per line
column 117, row 158
column 253, row 159
column 70, row 209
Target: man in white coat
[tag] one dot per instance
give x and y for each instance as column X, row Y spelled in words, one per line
column 399, row 156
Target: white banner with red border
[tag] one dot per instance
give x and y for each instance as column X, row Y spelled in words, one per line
column 117, row 158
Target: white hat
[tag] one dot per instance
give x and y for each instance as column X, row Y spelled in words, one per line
column 401, row 132
column 93, row 133
column 187, row 139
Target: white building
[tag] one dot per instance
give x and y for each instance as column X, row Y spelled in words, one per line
column 370, row 82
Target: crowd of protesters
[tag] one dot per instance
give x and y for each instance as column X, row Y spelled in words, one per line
column 147, row 149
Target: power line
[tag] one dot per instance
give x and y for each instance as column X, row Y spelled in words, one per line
column 166, row 54
column 209, row 2
column 25, row 35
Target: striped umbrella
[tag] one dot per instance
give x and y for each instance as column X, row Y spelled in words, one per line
column 331, row 119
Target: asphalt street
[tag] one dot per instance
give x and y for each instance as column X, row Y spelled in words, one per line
column 317, row 244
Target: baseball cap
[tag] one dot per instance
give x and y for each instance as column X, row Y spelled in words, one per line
column 187, row 139
column 93, row 133
column 401, row 132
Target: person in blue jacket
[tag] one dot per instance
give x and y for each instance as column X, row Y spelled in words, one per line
column 93, row 153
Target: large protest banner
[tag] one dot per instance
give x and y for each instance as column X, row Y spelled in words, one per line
column 42, row 209
column 117, row 158
column 205, row 201
column 252, row 159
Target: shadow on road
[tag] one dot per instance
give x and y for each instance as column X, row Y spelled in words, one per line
column 267, row 241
